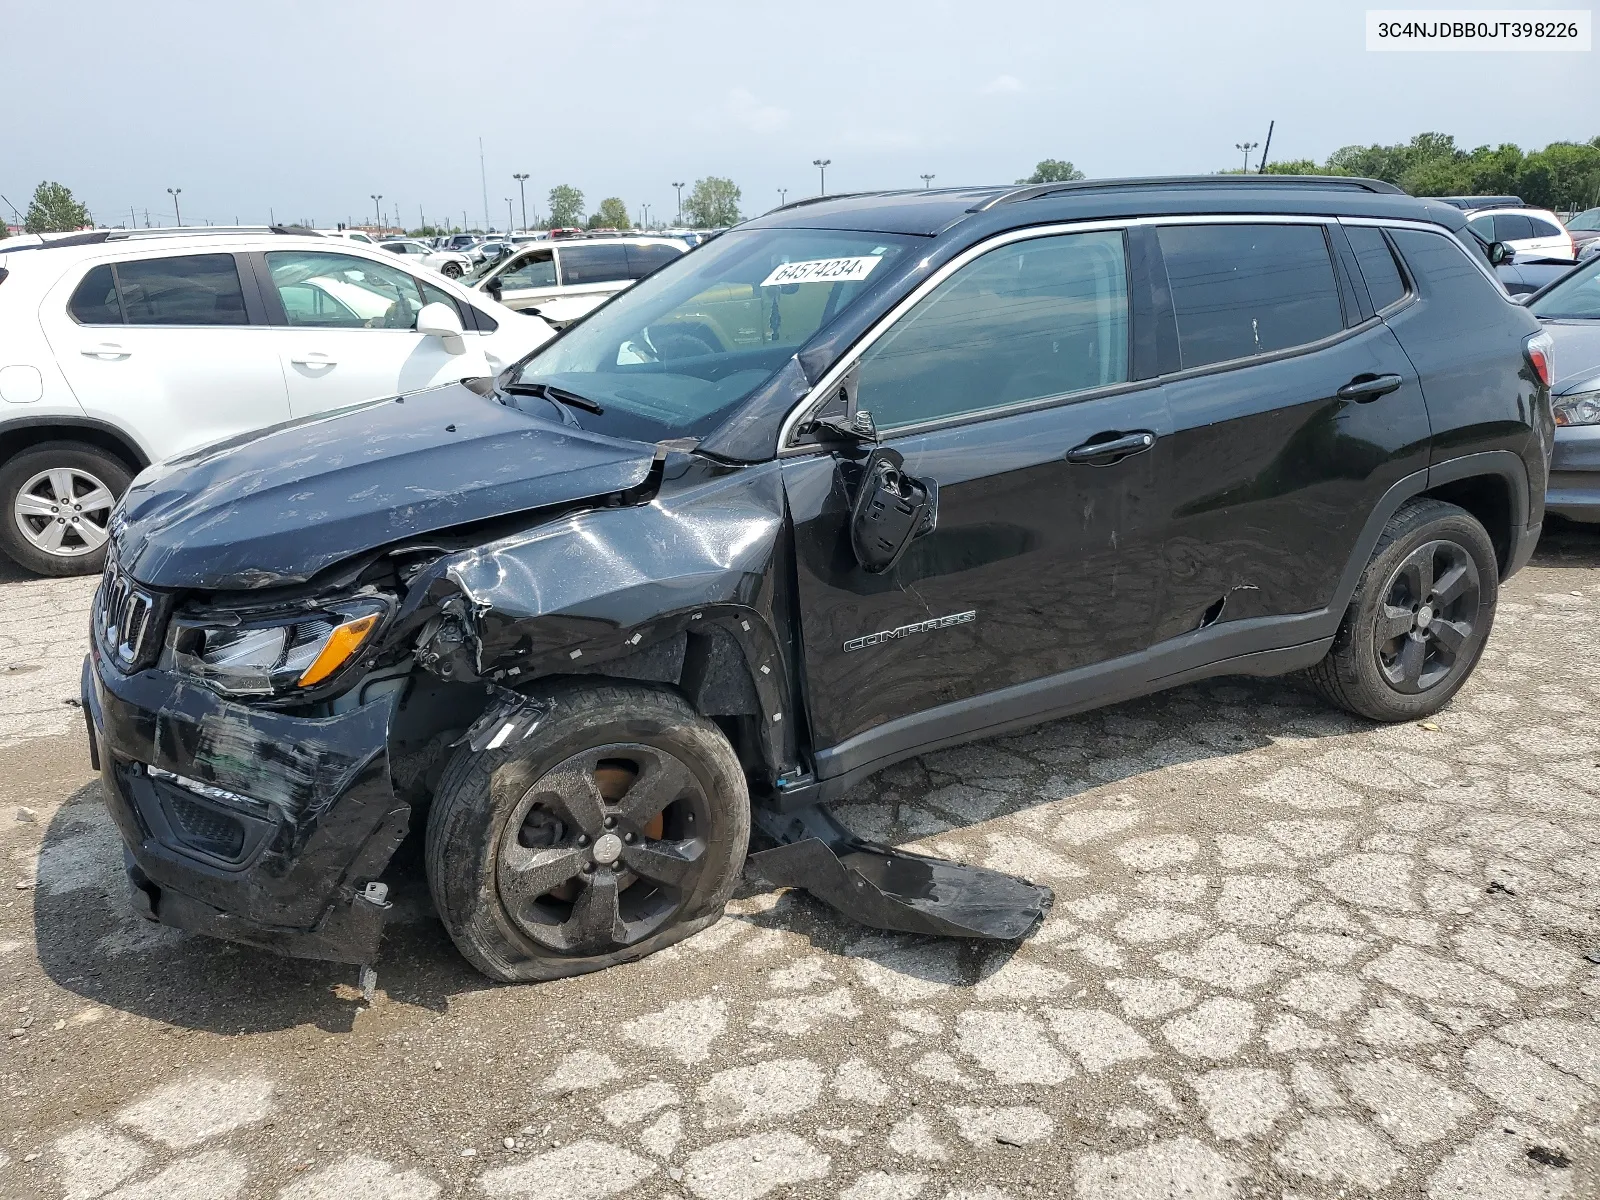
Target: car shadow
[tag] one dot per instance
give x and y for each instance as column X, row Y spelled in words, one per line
column 1567, row 544
column 91, row 942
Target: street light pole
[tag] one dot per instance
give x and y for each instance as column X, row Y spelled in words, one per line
column 821, row 164
column 1246, row 147
column 927, row 181
column 510, row 217
column 376, row 196
column 522, row 190
column 783, row 197
column 678, row 187
column 176, row 211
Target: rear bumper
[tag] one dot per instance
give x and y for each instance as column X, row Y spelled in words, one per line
column 247, row 824
column 1574, row 490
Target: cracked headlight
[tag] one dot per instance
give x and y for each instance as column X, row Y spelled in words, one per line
column 273, row 655
column 1580, row 408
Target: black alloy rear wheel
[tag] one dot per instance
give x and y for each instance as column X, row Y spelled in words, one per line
column 1419, row 619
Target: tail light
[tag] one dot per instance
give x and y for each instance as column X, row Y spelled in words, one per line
column 1538, row 348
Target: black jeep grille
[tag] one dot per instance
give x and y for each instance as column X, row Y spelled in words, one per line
column 127, row 620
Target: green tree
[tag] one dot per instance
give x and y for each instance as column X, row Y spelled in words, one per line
column 53, row 210
column 1053, row 170
column 613, row 214
column 566, row 205
column 713, row 203
column 1297, row 166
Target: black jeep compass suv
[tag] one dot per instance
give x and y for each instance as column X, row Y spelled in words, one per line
column 862, row 477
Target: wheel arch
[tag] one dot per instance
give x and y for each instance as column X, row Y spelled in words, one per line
column 24, row 433
column 1493, row 487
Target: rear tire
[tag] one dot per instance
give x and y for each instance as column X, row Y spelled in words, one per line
column 617, row 828
column 451, row 270
column 56, row 500
column 1419, row 619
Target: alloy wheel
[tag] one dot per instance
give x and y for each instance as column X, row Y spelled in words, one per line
column 1428, row 617
column 64, row 512
column 603, row 850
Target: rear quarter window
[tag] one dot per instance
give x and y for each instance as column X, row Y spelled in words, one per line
column 1385, row 285
column 94, row 301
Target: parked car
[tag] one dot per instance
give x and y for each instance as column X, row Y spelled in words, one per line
column 460, row 241
column 856, row 480
column 565, row 231
column 125, row 348
column 1524, row 274
column 1532, row 231
column 565, row 280
column 350, row 235
column 1570, row 311
column 1585, row 231
column 447, row 262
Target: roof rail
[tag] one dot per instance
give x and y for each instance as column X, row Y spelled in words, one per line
column 1037, row 190
column 94, row 237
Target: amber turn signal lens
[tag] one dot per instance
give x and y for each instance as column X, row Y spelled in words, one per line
column 342, row 643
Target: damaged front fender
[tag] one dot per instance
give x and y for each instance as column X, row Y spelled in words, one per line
column 690, row 582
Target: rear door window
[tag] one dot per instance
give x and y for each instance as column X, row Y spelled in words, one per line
column 593, row 264
column 644, row 259
column 186, row 289
column 1483, row 227
column 1384, row 282
column 94, row 301
column 1244, row 290
column 1509, row 227
column 1543, row 229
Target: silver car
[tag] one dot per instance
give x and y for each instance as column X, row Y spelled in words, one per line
column 1570, row 310
column 563, row 280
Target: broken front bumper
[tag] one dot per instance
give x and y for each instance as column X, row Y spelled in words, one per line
column 244, row 823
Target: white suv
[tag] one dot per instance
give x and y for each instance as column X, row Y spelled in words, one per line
column 1532, row 231
column 563, row 280
column 124, row 348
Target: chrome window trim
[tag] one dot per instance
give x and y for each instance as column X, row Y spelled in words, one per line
column 818, row 394
column 1428, row 227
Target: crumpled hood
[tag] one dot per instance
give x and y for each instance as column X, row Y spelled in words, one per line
column 278, row 506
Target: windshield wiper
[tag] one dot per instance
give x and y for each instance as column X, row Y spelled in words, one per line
column 559, row 395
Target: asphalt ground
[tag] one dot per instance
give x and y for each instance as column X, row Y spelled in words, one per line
column 1292, row 954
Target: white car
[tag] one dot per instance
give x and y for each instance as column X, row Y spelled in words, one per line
column 1529, row 231
column 563, row 280
column 447, row 262
column 353, row 235
column 125, row 348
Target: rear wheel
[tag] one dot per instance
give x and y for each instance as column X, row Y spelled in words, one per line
column 56, row 499
column 619, row 827
column 1419, row 618
column 451, row 270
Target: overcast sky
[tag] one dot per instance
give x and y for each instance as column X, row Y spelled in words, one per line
column 307, row 108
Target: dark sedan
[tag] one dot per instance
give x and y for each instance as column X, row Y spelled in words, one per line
column 1570, row 310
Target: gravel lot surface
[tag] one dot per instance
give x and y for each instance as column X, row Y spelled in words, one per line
column 1292, row 955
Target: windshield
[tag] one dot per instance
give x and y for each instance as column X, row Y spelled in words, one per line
column 671, row 355
column 1578, row 295
column 1588, row 221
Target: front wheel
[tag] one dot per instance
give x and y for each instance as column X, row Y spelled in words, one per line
column 1419, row 618
column 451, row 270
column 55, row 507
column 617, row 828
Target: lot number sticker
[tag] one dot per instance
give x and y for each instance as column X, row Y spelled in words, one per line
column 823, row 270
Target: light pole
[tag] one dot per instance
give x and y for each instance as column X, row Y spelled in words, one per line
column 678, row 187
column 375, row 198
column 522, row 190
column 821, row 164
column 510, row 217
column 783, row 197
column 927, row 181
column 646, row 215
column 1246, row 147
column 173, row 192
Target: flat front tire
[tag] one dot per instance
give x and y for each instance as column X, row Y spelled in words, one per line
column 617, row 828
column 1419, row 619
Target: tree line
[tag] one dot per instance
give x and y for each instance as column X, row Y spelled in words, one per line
column 712, row 204
column 1563, row 175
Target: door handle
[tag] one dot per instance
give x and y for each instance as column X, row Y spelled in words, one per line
column 1104, row 453
column 106, row 350
column 1365, row 388
column 314, row 359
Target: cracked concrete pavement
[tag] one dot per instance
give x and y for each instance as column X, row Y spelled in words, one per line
column 1292, row 955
